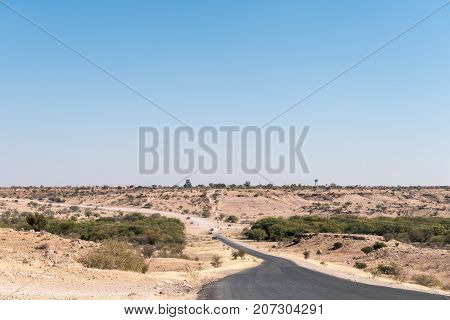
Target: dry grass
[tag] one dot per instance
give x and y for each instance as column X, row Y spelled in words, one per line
column 426, row 280
column 115, row 255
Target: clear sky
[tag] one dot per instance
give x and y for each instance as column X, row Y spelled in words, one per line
column 225, row 63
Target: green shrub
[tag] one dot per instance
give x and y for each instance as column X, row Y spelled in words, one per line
column 161, row 232
column 360, row 265
column 367, row 249
column 257, row 234
column 115, row 255
column 426, row 280
column 405, row 229
column 386, row 269
column 378, row 245
column 392, row 270
column 337, row 245
column 37, row 221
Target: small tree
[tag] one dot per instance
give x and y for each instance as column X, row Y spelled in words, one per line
column 37, row 221
column 188, row 184
column 247, row 184
column 216, row 261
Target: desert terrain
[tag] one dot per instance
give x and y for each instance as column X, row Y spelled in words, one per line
column 39, row 265
column 255, row 202
column 42, row 265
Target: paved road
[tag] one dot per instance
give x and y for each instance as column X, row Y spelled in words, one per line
column 281, row 279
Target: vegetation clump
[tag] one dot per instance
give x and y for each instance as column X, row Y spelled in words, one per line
column 161, row 233
column 367, row 249
column 337, row 245
column 405, row 229
column 392, row 269
column 426, row 280
column 115, row 255
column 360, row 265
column 216, row 261
column 378, row 245
column 306, row 254
column 36, row 221
column 232, row 219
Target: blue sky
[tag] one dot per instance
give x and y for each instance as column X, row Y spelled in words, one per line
column 225, row 63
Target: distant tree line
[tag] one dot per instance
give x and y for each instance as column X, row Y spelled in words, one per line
column 430, row 230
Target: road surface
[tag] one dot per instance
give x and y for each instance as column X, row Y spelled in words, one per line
column 281, row 279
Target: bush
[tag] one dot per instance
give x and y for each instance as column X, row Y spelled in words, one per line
column 360, row 265
column 37, row 221
column 42, row 246
column 393, row 270
column 232, row 219
column 216, row 261
column 447, row 238
column 306, row 254
column 257, row 234
column 378, row 245
column 337, row 245
column 115, row 255
column 386, row 269
column 148, row 250
column 367, row 249
column 436, row 240
column 426, row 280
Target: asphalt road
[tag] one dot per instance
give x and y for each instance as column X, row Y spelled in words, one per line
column 281, row 279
